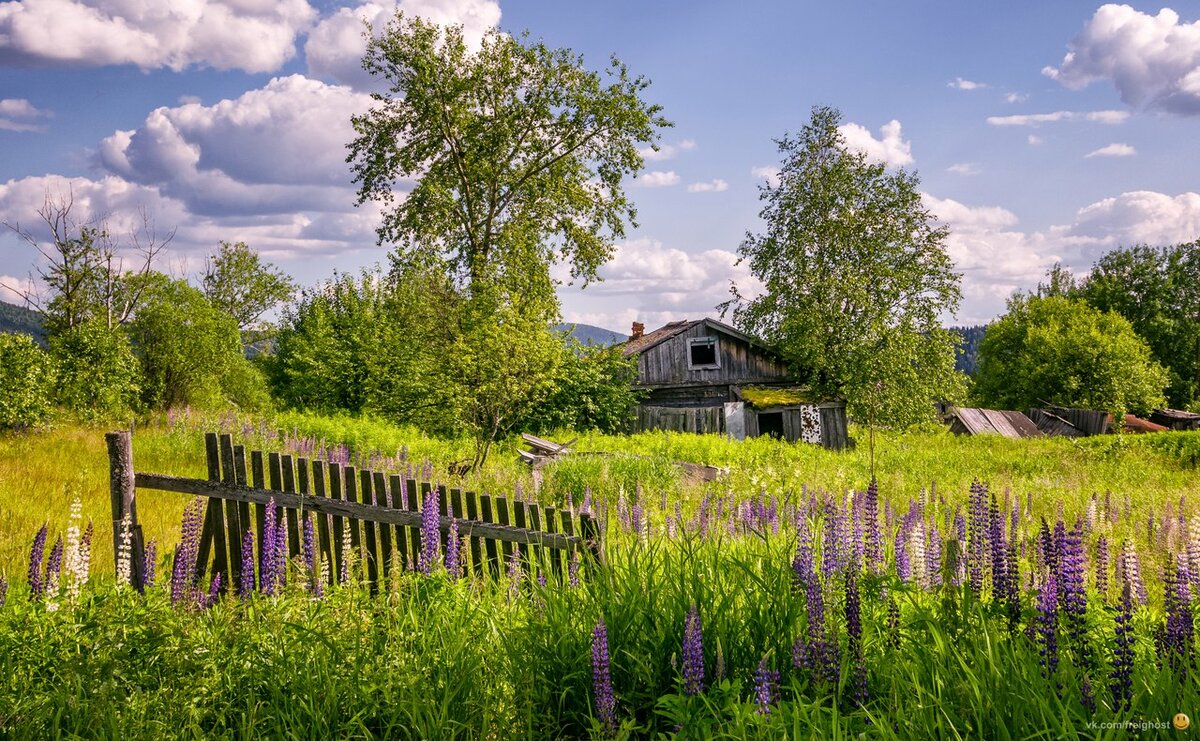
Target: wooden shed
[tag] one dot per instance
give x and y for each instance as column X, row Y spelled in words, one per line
column 697, row 375
column 1176, row 419
column 972, row 421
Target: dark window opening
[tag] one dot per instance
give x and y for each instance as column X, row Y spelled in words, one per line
column 703, row 353
column 770, row 423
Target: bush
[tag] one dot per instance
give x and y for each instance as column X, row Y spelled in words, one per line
column 97, row 371
column 593, row 391
column 26, row 377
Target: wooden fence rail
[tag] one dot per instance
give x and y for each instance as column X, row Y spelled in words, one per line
column 378, row 516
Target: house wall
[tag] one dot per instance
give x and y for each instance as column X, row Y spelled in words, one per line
column 667, row 362
column 834, row 433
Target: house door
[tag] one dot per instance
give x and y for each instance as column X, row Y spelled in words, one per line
column 770, row 423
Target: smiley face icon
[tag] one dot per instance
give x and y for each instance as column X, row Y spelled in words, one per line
column 1181, row 722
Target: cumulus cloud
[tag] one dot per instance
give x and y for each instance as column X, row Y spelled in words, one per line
column 1152, row 60
column 18, row 114
column 657, row 179
column 959, row 83
column 666, row 151
column 963, row 168
column 1033, row 119
column 715, row 185
column 1035, row 140
column 335, row 47
column 889, row 149
column 1015, row 97
column 14, row 290
column 1133, row 217
column 1112, row 150
column 251, row 35
column 768, row 173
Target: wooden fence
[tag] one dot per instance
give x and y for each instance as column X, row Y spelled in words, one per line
column 378, row 515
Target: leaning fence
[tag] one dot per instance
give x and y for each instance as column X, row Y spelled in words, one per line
column 377, row 515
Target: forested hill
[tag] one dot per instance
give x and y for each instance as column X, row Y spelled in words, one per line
column 590, row 335
column 966, row 359
column 15, row 318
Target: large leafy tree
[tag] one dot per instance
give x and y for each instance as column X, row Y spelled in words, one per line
column 237, row 281
column 1158, row 291
column 1063, row 351
column 517, row 150
column 856, row 278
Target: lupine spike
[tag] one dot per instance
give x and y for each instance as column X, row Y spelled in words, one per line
column 36, row 556
column 765, row 682
column 606, row 703
column 693, row 653
column 246, row 588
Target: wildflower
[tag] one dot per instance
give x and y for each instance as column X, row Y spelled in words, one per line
column 822, row 653
column 83, row 559
column 1131, row 571
column 430, row 534
column 765, row 681
column 831, row 558
column 36, row 554
column 70, row 571
column 150, row 563
column 125, row 552
column 853, row 612
column 344, row 571
column 977, row 535
column 1047, row 625
column 693, row 654
column 1180, row 642
column 999, row 554
column 189, row 545
column 606, row 704
column 214, row 591
column 266, row 550
column 453, row 551
column 1102, row 566
column 802, row 564
column 54, row 574
column 933, row 556
column 573, row 570
column 1071, row 592
column 893, row 624
column 586, row 509
column 310, row 551
column 3, row 590
column 1121, row 681
column 246, row 588
column 873, row 555
column 515, row 572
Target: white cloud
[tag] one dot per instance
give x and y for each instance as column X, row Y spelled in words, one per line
column 335, row 47
column 666, row 151
column 714, row 186
column 959, row 83
column 657, row 179
column 1032, row 119
column 1112, row 150
column 889, row 149
column 251, row 35
column 1015, row 97
column 1153, row 61
column 768, row 173
column 1035, row 140
column 18, row 114
column 1133, row 217
column 13, row 290
column 963, row 168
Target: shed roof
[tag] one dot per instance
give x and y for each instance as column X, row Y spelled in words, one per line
column 992, row 421
column 671, row 329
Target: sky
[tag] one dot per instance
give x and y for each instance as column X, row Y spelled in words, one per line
column 1041, row 132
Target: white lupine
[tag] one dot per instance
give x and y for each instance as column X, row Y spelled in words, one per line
column 1091, row 514
column 916, row 554
column 72, row 579
column 1193, row 552
column 125, row 553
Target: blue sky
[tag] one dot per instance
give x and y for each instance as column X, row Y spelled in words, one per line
column 1041, row 131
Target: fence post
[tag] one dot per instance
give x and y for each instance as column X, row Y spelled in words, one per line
column 123, row 494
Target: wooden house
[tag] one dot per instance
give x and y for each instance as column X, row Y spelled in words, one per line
column 704, row 376
column 971, row 421
column 1176, row 419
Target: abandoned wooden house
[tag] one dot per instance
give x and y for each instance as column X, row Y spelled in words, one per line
column 704, row 376
column 971, row 421
column 1176, row 419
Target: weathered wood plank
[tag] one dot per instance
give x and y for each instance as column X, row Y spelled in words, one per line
column 293, row 523
column 338, row 535
column 476, row 545
column 396, row 489
column 385, row 532
column 324, row 545
column 232, row 521
column 369, row 540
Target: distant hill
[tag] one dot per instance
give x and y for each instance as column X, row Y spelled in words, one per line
column 15, row 318
column 589, row 335
column 967, row 358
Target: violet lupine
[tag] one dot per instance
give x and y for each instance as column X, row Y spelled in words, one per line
column 586, row 509
column 281, row 553
column 1071, row 590
column 3, row 590
column 309, row 551
column 802, row 565
column 999, row 548
column 246, row 588
column 831, row 560
column 903, row 563
column 54, row 564
column 515, row 572
column 933, row 555
column 184, row 574
column 267, row 580
column 150, row 564
column 602, row 690
column 1121, row 680
column 1047, row 625
column 453, row 554
column 853, row 612
column 873, row 550
column 822, row 653
column 214, row 590
column 977, row 535
column 693, row 653
column 573, row 570
column 765, row 682
column 37, row 587
column 1180, row 638
column 430, row 534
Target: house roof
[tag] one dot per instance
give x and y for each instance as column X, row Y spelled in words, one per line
column 672, row 329
column 993, row 421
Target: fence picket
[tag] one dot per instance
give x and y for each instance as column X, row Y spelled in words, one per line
column 366, row 492
column 325, row 547
column 473, row 515
column 396, row 492
column 232, row 520
column 485, row 514
column 289, row 487
column 339, row 527
column 385, row 532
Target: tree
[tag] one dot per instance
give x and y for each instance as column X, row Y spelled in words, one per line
column 1158, row 291
column 517, row 150
column 856, row 279
column 97, row 377
column 593, row 391
column 239, row 283
column 27, row 377
column 84, row 268
column 1065, row 352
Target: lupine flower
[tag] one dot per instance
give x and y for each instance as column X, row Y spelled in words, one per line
column 602, row 690
column 873, row 554
column 37, row 552
column 309, row 551
column 430, row 534
column 1132, row 573
column 1121, row 681
column 1193, row 552
column 573, row 570
column 916, row 551
column 832, row 557
column 54, row 574
column 281, row 552
column 246, row 588
column 586, row 509
column 515, row 572
column 636, row 523
column 1071, row 591
column 893, row 624
column 977, row 535
column 999, row 554
column 853, row 612
column 214, row 590
column 83, row 563
column 125, row 552
column 765, row 682
column 70, row 572
column 822, row 652
column 802, row 564
column 267, row 579
column 452, row 551
column 1102, row 566
column 183, row 576
column 347, row 556
column 1180, row 639
column 1047, row 625
column 150, row 563
column 693, row 653
column 3, row 590
column 933, row 555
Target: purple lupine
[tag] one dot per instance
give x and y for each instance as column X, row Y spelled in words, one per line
column 933, row 555
column 280, row 553
column 214, row 590
column 54, row 562
column 765, row 682
column 37, row 587
column 266, row 549
column 977, row 535
column 1180, row 637
column 246, row 588
column 586, row 509
column 573, row 570
column 822, row 653
column 999, row 554
column 858, row 551
column 1072, row 593
column 3, row 590
column 515, row 572
column 802, row 564
column 1047, row 625
column 693, row 653
column 602, row 690
column 309, row 551
column 873, row 551
column 853, row 612
column 1121, row 681
column 1102, row 567
column 430, row 534
column 184, row 574
column 636, row 522
column 903, row 562
column 453, row 556
column 832, row 559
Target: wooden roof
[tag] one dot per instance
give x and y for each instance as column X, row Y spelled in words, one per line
column 671, row 329
column 1053, row 425
column 992, row 421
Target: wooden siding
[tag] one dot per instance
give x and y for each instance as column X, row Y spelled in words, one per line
column 834, row 432
column 682, row 419
column 740, row 362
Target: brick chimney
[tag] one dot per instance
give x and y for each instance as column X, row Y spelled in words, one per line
column 638, row 330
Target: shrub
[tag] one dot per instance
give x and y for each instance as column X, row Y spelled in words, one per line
column 26, row 377
column 97, row 371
